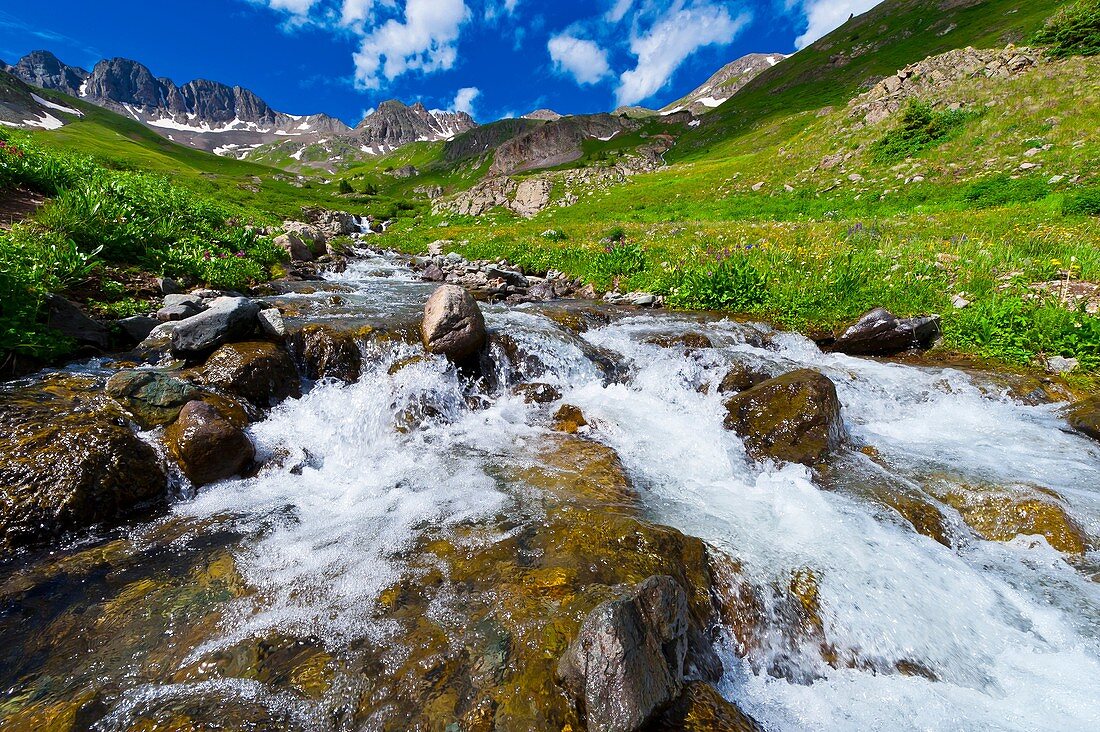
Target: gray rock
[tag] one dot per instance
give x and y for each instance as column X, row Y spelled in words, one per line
column 182, row 299
column 453, row 325
column 228, row 319
column 271, row 323
column 138, row 327
column 293, row 245
column 168, row 286
column 627, row 661
column 182, row 311
column 68, row 319
column 516, row 279
column 880, row 333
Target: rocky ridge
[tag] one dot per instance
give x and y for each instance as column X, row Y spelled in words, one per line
column 725, row 82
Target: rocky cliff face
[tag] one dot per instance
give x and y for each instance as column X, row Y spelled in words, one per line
column 555, row 143
column 204, row 114
column 725, row 82
column 20, row 106
column 395, row 124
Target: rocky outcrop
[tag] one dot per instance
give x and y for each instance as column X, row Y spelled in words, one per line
column 555, row 143
column 226, row 320
column 42, row 68
column 627, row 661
column 261, row 372
column 532, row 196
column 395, row 125
column 208, row 446
column 69, row 460
column 296, row 249
column 794, row 418
column 935, row 72
column 453, row 325
column 880, row 333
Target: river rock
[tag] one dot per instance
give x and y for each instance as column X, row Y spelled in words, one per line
column 296, row 249
column 1085, row 417
column 179, row 311
column 155, row 398
column 700, row 708
column 228, row 319
column 259, row 371
column 137, row 328
column 794, row 417
column 453, row 325
column 537, row 393
column 880, row 333
column 68, row 462
column 627, row 661
column 69, row 320
column 326, row 353
column 271, row 323
column 569, row 419
column 693, row 341
column 741, row 377
column 208, row 446
column 1002, row 513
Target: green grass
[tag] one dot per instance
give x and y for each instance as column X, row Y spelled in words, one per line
column 1072, row 31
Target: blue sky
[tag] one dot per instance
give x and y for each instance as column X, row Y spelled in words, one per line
column 494, row 58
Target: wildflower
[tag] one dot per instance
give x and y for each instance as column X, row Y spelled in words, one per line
column 206, row 256
column 240, row 255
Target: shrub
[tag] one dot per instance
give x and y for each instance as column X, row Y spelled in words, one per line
column 1003, row 190
column 1072, row 31
column 919, row 129
column 345, row 187
column 619, row 259
column 731, row 284
column 1082, row 202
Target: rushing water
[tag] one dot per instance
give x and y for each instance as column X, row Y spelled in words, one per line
column 1011, row 630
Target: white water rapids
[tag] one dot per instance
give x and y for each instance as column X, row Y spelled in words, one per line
column 1011, row 630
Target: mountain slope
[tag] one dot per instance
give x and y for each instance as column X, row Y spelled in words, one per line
column 724, row 83
column 862, row 51
column 203, row 114
column 21, row 106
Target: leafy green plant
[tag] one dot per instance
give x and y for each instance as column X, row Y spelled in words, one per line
column 1072, row 31
column 620, row 259
column 733, row 283
column 1082, row 202
column 920, row 128
column 1003, row 190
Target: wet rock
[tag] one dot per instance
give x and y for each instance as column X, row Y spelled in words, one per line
column 69, row 320
column 326, row 353
column 155, row 398
column 1003, row 513
column 741, row 377
column 794, row 417
column 208, row 446
column 569, row 419
column 453, row 324
column 537, row 393
column 137, row 327
column 880, row 333
column 433, row 273
column 700, row 708
column 259, row 371
column 296, row 249
column 627, row 661
column 1085, row 417
column 228, row 319
column 684, row 340
column 68, row 462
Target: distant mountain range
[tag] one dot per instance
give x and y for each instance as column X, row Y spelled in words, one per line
column 235, row 122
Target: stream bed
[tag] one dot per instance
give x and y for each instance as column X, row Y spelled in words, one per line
column 381, row 570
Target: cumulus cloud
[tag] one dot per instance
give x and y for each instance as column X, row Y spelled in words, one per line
column 825, row 16
column 423, row 39
column 672, row 37
column 464, row 100
column 581, row 58
column 619, row 10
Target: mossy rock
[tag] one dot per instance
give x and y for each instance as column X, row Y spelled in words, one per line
column 155, row 398
column 259, row 371
column 1003, row 513
column 325, row 352
column 1085, row 417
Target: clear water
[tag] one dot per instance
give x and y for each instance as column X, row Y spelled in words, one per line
column 1011, row 630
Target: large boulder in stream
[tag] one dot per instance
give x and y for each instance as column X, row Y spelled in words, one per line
column 627, row 661
column 228, row 319
column 326, row 353
column 794, row 418
column 154, row 398
column 209, row 446
column 453, row 325
column 69, row 460
column 261, row 372
column 880, row 333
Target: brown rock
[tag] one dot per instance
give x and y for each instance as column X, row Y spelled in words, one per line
column 741, row 377
column 327, row 353
column 794, row 417
column 453, row 325
column 684, row 340
column 1085, row 417
column 261, row 372
column 208, row 446
column 569, row 419
column 537, row 393
column 700, row 708
column 1003, row 513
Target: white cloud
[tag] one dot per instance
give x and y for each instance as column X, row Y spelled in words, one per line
column 423, row 40
column 295, row 7
column 464, row 100
column 673, row 37
column 825, row 16
column 353, row 12
column 579, row 57
column 619, row 10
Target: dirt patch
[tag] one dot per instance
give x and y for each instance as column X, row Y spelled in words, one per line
column 18, row 204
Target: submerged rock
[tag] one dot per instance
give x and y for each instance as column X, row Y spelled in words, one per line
column 1003, row 513
column 700, row 708
column 627, row 661
column 155, row 398
column 453, row 325
column 327, row 353
column 208, row 446
column 261, row 372
column 67, row 462
column 537, row 393
column 794, row 417
column 880, row 333
column 228, row 319
column 684, row 340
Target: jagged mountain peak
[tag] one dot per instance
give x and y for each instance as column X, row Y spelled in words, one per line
column 724, row 83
